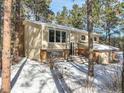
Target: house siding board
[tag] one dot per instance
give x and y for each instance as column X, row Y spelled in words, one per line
column 34, row 37
column 45, row 38
column 33, row 42
column 57, row 46
column 34, row 53
column 32, row 24
column 26, row 40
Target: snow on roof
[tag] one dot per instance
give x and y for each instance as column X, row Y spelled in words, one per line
column 104, row 47
column 65, row 27
column 57, row 26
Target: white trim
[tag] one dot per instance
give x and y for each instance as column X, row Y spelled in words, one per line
column 81, row 38
column 55, row 36
column 60, row 36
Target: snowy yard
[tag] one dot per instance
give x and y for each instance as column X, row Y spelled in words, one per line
column 67, row 77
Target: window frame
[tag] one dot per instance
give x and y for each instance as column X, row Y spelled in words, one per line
column 95, row 39
column 82, row 39
column 49, row 36
column 55, row 35
column 62, row 37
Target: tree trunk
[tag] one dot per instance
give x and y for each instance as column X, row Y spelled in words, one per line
column 6, row 47
column 0, row 21
column 109, row 39
column 35, row 11
column 108, row 31
column 18, row 25
column 90, row 38
column 0, row 34
column 123, row 71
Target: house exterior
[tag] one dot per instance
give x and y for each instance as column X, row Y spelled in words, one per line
column 43, row 38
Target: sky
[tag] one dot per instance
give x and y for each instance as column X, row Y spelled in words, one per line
column 57, row 5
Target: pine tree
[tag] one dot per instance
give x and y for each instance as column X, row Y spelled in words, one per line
column 77, row 16
column 1, row 3
column 6, row 47
column 39, row 8
column 62, row 17
column 90, row 38
column 123, row 65
column 17, row 29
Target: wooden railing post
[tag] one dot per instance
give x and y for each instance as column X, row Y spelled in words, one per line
column 66, row 54
column 43, row 55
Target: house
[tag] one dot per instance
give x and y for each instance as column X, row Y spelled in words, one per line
column 42, row 39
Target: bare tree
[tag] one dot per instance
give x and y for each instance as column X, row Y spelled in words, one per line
column 6, row 47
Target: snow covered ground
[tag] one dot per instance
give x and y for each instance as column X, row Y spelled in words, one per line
column 120, row 56
column 103, row 82
column 66, row 77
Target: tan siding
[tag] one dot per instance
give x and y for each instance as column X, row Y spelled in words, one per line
column 32, row 42
column 37, row 37
column 57, row 45
column 73, row 37
column 26, row 40
column 32, row 24
column 45, row 38
column 34, row 53
column 34, row 37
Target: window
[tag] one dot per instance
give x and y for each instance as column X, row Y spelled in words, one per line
column 63, row 36
column 51, row 35
column 57, row 36
column 83, row 37
column 95, row 39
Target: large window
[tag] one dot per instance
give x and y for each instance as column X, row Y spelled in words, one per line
column 83, row 37
column 57, row 36
column 51, row 35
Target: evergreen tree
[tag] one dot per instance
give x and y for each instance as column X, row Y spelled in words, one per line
column 6, row 47
column 62, row 17
column 90, row 37
column 77, row 16
column 1, row 15
column 38, row 8
column 108, row 16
